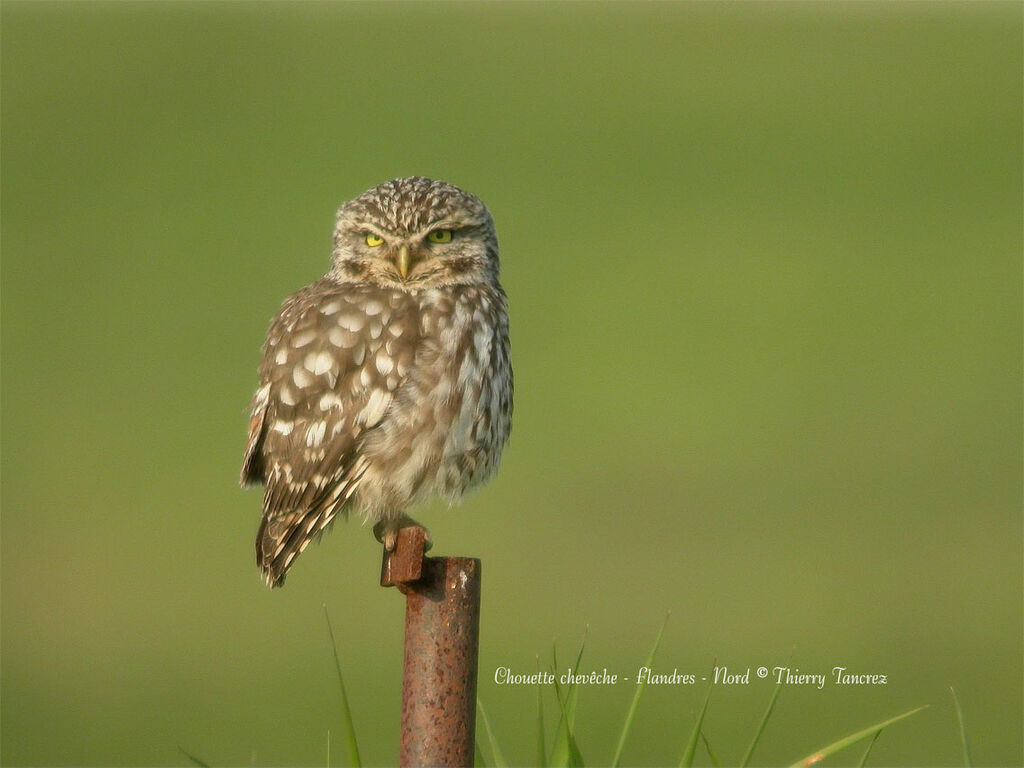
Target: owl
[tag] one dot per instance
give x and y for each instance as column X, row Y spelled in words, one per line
column 388, row 381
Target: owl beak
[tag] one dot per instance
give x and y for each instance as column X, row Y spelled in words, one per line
column 404, row 261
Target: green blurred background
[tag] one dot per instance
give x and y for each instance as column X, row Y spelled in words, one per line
column 764, row 264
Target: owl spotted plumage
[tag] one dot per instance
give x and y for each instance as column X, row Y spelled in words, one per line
column 388, row 380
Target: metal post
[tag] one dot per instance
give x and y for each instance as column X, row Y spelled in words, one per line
column 442, row 625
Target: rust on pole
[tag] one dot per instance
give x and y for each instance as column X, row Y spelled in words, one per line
column 442, row 625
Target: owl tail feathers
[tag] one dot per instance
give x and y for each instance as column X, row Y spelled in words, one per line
column 282, row 538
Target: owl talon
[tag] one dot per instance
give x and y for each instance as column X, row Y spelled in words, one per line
column 386, row 532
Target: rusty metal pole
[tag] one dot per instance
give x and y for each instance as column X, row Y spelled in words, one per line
column 442, row 629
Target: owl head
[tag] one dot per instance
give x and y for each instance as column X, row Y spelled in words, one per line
column 412, row 234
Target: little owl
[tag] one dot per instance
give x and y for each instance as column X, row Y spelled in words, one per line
column 386, row 381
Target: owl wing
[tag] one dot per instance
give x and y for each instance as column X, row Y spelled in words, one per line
column 332, row 361
column 252, row 464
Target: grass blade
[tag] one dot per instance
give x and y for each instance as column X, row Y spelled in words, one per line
column 350, row 729
column 559, row 746
column 760, row 729
column 853, row 738
column 499, row 759
column 565, row 751
column 691, row 745
column 573, row 696
column 707, row 745
column 193, row 759
column 864, row 759
column 542, row 750
column 558, row 688
column 631, row 713
column 478, row 756
column 963, row 731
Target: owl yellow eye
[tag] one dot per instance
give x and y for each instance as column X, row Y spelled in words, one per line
column 440, row 236
column 373, row 240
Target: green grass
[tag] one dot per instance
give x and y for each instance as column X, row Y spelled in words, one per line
column 871, row 744
column 963, row 730
column 631, row 714
column 848, row 741
column 350, row 729
column 764, row 722
column 542, row 753
column 690, row 752
column 565, row 752
column 498, row 759
column 193, row 759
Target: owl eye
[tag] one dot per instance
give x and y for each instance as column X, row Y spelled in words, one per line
column 440, row 236
column 373, row 240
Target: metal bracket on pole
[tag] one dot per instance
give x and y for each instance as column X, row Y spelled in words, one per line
column 442, row 629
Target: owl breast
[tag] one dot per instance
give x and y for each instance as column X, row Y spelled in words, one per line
column 449, row 420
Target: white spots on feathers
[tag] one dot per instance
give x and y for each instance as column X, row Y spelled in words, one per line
column 259, row 401
column 375, row 407
column 315, row 433
column 384, row 364
column 329, row 401
column 341, row 338
column 302, row 339
column 331, row 308
column 301, row 377
column 319, row 362
column 351, row 321
column 287, row 396
column 283, row 427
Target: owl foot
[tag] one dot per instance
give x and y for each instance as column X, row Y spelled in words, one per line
column 386, row 532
